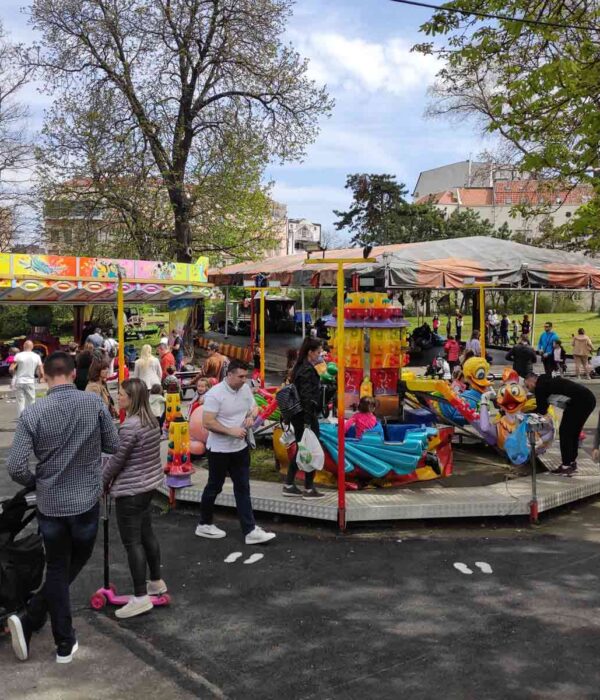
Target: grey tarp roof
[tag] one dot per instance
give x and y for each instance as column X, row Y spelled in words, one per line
column 433, row 265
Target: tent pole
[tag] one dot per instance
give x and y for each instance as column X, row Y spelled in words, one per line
column 532, row 335
column 341, row 362
column 263, row 293
column 121, row 336
column 226, row 312
column 482, row 320
column 303, row 307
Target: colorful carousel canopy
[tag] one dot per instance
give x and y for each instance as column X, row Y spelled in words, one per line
column 53, row 279
column 445, row 264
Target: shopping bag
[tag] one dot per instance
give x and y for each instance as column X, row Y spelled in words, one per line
column 310, row 455
column 516, row 445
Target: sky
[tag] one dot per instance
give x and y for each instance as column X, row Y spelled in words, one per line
column 361, row 50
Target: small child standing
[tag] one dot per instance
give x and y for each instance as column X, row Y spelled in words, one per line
column 158, row 404
column 364, row 418
column 560, row 358
column 171, row 384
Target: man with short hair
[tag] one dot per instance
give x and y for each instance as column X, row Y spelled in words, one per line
column 26, row 367
column 67, row 431
column 545, row 347
column 166, row 358
column 96, row 339
column 215, row 366
column 577, row 402
column 523, row 357
column 229, row 411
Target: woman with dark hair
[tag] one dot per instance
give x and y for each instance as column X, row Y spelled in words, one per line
column 82, row 366
column 97, row 376
column 305, row 378
column 131, row 476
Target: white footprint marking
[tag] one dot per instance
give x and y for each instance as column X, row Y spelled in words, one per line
column 484, row 566
column 253, row 558
column 230, row 558
column 463, row 568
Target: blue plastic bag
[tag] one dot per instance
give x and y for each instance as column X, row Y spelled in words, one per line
column 517, row 445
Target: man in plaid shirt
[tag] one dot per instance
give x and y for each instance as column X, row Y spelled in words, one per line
column 67, row 431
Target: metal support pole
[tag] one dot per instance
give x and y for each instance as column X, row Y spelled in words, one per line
column 482, row 328
column 532, row 334
column 263, row 293
column 226, row 312
column 341, row 407
column 533, row 504
column 121, row 335
column 303, row 311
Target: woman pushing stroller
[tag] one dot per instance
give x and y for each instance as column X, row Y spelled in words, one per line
column 131, row 475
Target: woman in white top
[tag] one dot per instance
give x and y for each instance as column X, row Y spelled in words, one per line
column 148, row 368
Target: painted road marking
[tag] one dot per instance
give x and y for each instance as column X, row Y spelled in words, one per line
column 254, row 558
column 230, row 558
column 484, row 566
column 463, row 568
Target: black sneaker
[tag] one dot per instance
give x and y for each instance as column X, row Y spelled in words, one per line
column 20, row 633
column 65, row 651
column 312, row 493
column 292, row 490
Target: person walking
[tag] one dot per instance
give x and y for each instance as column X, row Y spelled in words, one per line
column 523, row 357
column 435, row 323
column 97, row 377
column 216, row 364
column 67, row 430
column 26, row 368
column 229, row 411
column 545, row 347
column 525, row 325
column 176, row 344
column 131, row 476
column 577, row 402
column 452, row 350
column 166, row 360
column 305, row 378
column 582, row 349
column 148, row 368
column 504, row 326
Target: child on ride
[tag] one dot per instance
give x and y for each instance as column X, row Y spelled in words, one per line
column 364, row 418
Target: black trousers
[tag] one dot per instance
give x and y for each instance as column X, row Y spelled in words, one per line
column 135, row 527
column 571, row 425
column 69, row 542
column 237, row 465
column 549, row 364
column 298, row 424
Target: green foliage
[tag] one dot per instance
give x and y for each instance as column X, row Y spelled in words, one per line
column 536, row 87
column 379, row 214
column 39, row 316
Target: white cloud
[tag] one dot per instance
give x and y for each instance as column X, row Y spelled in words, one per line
column 356, row 64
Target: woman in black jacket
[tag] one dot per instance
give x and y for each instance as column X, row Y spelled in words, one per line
column 306, row 380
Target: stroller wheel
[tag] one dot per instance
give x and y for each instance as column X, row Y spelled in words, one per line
column 97, row 601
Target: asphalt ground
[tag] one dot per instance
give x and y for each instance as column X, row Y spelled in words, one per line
column 380, row 612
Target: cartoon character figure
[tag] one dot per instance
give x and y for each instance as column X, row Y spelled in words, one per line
column 108, row 268
column 475, row 371
column 41, row 266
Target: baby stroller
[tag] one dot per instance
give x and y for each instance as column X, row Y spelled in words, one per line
column 22, row 559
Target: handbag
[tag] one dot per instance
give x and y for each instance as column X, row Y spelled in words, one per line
column 288, row 402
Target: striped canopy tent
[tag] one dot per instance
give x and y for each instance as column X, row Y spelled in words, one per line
column 445, row 264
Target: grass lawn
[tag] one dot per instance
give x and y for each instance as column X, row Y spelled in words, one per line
column 262, row 464
column 565, row 324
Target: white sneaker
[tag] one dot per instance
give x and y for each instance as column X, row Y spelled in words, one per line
column 136, row 606
column 210, row 531
column 259, row 536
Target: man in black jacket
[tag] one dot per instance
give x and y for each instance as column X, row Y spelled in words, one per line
column 578, row 402
column 523, row 357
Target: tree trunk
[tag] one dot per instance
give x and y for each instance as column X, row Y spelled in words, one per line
column 182, row 230
column 593, row 302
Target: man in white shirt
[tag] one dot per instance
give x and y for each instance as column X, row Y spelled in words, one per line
column 26, row 367
column 229, row 411
column 111, row 347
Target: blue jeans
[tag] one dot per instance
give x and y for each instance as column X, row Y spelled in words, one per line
column 69, row 543
column 237, row 465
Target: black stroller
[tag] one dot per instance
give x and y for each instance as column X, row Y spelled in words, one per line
column 22, row 559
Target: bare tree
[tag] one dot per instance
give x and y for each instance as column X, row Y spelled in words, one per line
column 188, row 74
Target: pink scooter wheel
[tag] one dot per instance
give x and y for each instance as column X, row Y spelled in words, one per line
column 163, row 599
column 98, row 601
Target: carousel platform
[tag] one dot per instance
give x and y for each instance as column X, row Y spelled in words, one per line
column 477, row 489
